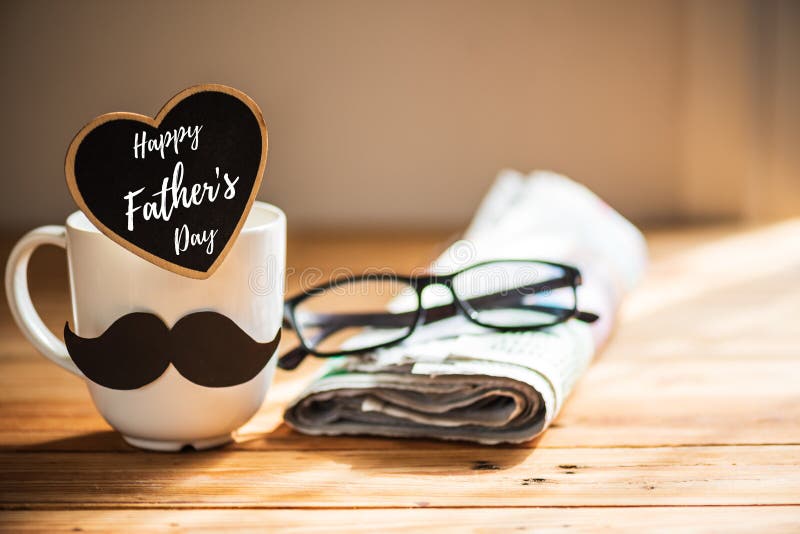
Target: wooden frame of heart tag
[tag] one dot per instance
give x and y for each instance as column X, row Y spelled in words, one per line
column 69, row 169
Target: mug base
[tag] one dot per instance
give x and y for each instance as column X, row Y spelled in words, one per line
column 178, row 445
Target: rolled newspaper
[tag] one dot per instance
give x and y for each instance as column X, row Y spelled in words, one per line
column 457, row 381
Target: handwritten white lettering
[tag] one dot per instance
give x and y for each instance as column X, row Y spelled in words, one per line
column 184, row 239
column 173, row 195
column 142, row 145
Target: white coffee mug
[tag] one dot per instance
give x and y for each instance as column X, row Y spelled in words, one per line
column 107, row 282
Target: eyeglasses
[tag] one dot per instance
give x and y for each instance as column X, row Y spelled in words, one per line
column 358, row 314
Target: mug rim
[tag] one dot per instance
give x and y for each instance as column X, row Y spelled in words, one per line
column 86, row 226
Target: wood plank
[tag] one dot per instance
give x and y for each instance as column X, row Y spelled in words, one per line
column 648, row 402
column 488, row 477
column 729, row 519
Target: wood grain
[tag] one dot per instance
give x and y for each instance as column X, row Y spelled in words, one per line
column 449, row 477
column 617, row 519
column 689, row 419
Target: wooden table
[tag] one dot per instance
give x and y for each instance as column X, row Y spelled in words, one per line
column 689, row 418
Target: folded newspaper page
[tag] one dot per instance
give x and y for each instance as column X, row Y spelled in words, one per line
column 455, row 380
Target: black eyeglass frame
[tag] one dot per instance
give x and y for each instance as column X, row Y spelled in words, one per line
column 571, row 278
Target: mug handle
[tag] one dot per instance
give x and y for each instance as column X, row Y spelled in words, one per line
column 19, row 298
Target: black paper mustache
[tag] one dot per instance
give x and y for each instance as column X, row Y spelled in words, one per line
column 206, row 347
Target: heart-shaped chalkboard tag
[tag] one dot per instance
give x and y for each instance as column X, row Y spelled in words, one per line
column 175, row 189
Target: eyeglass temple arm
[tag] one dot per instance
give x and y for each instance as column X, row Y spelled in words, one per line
column 294, row 357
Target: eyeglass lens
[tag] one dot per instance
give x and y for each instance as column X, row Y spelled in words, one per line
column 357, row 314
column 516, row 294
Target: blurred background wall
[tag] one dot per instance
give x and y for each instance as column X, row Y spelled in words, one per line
column 399, row 114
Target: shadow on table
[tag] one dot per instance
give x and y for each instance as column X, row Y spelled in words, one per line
column 367, row 453
column 371, row 453
column 104, row 441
